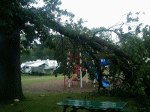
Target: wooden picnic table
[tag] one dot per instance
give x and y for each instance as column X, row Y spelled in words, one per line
column 92, row 106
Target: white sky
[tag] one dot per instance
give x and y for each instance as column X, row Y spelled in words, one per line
column 105, row 12
column 99, row 13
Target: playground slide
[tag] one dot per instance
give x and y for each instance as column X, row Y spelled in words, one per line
column 104, row 82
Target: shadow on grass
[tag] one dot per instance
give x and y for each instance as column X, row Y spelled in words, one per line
column 46, row 102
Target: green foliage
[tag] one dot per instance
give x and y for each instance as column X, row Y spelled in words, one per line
column 134, row 46
column 35, row 22
column 129, row 18
column 38, row 52
column 146, row 38
column 143, row 80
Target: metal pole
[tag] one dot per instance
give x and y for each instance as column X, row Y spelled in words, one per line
column 94, row 82
column 69, row 82
column 108, row 71
column 69, row 69
column 80, row 71
column 63, row 59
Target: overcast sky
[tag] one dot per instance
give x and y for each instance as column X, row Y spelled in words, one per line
column 105, row 13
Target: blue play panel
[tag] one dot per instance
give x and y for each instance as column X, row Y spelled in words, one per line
column 103, row 63
column 104, row 82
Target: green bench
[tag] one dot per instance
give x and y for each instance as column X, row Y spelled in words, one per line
column 93, row 106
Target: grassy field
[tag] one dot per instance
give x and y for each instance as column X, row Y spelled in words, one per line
column 47, row 102
column 26, row 76
column 43, row 79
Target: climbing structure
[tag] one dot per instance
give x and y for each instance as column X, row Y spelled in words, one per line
column 103, row 63
column 76, row 70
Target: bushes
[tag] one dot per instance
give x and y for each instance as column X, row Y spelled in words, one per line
column 137, row 93
column 124, row 91
column 59, row 70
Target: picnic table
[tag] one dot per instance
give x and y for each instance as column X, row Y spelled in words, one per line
column 93, row 106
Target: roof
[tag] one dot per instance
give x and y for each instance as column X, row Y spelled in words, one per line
column 22, row 65
column 36, row 64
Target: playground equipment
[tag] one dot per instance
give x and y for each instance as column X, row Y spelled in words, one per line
column 103, row 63
column 104, row 82
column 79, row 70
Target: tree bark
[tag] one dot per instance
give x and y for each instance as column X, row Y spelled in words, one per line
column 10, row 75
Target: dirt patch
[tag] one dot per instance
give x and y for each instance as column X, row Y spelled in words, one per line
column 57, row 86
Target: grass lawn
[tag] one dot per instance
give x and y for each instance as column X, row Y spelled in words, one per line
column 26, row 76
column 45, row 78
column 28, row 82
column 46, row 102
column 32, row 77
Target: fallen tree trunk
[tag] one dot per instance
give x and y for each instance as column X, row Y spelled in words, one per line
column 97, row 44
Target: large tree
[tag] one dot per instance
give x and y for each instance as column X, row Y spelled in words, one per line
column 17, row 15
column 10, row 26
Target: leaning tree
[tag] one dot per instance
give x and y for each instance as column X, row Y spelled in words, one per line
column 94, row 44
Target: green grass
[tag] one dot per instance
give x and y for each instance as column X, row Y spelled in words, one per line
column 26, row 76
column 29, row 82
column 32, row 77
column 46, row 78
column 46, row 102
column 106, row 72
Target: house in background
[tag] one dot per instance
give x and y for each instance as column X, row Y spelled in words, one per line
column 39, row 66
